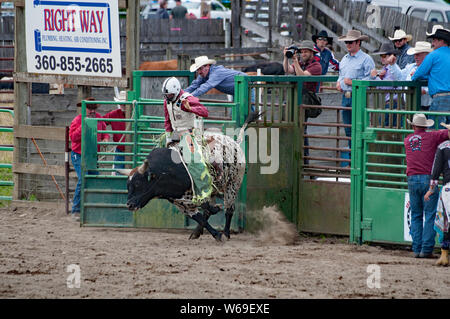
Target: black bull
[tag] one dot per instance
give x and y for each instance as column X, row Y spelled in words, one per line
column 162, row 177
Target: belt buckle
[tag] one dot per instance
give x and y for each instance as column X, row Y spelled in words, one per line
column 348, row 94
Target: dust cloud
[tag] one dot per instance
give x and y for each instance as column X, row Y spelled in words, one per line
column 270, row 226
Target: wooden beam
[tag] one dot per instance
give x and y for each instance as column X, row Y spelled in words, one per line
column 340, row 20
column 69, row 79
column 263, row 31
column 28, row 168
column 39, row 132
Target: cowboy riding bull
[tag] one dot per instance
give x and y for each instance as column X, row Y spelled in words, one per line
column 194, row 169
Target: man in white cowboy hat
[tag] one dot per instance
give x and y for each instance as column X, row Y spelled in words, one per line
column 119, row 113
column 420, row 148
column 400, row 40
column 355, row 65
column 211, row 76
column 441, row 223
column 435, row 68
column 420, row 51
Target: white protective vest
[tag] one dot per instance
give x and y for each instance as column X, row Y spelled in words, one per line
column 180, row 120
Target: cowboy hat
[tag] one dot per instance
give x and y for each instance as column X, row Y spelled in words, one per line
column 447, row 126
column 122, row 96
column 442, row 34
column 435, row 28
column 421, row 46
column 89, row 105
column 322, row 34
column 400, row 34
column 307, row 44
column 386, row 48
column 420, row 119
column 353, row 35
column 201, row 61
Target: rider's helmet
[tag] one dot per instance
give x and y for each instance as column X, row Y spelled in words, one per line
column 171, row 89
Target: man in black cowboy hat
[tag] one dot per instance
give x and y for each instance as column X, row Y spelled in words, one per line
column 389, row 72
column 321, row 41
column 435, row 68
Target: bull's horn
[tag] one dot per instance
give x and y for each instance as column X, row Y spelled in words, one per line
column 124, row 171
column 143, row 167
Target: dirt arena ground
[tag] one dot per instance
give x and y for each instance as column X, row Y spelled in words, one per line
column 37, row 246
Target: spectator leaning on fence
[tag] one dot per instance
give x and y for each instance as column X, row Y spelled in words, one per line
column 436, row 69
column 400, row 40
column 388, row 53
column 355, row 65
column 420, row 51
column 327, row 60
column 420, row 148
column 211, row 76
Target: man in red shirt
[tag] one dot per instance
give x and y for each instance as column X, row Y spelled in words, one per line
column 307, row 66
column 118, row 126
column 420, row 148
column 75, row 138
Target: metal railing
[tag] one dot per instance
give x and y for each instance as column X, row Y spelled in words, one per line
column 6, row 148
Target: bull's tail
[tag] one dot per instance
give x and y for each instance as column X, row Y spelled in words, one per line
column 252, row 117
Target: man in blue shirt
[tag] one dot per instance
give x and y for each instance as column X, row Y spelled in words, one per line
column 436, row 69
column 400, row 40
column 355, row 65
column 211, row 76
column 326, row 56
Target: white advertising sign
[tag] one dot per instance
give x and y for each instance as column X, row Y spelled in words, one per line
column 73, row 37
column 407, row 219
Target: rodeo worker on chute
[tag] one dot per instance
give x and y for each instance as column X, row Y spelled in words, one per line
column 181, row 125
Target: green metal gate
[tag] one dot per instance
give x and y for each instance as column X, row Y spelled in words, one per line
column 379, row 195
column 6, row 182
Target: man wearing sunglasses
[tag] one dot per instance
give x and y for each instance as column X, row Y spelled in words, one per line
column 400, row 40
column 355, row 65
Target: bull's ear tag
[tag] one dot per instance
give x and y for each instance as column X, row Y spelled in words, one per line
column 149, row 177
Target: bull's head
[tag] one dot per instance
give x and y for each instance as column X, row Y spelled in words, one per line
column 158, row 177
column 139, row 186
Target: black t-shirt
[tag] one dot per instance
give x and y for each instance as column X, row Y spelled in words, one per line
column 179, row 12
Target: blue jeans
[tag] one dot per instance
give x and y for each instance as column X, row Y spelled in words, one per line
column 423, row 234
column 119, row 158
column 76, row 162
column 394, row 116
column 440, row 104
column 347, row 117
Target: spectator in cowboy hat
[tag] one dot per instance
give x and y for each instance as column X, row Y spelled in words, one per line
column 388, row 53
column 435, row 68
column 211, row 76
column 355, row 65
column 321, row 41
column 420, row 148
column 420, row 51
column 400, row 40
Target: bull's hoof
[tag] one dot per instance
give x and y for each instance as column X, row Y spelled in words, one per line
column 196, row 234
column 227, row 234
column 219, row 238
